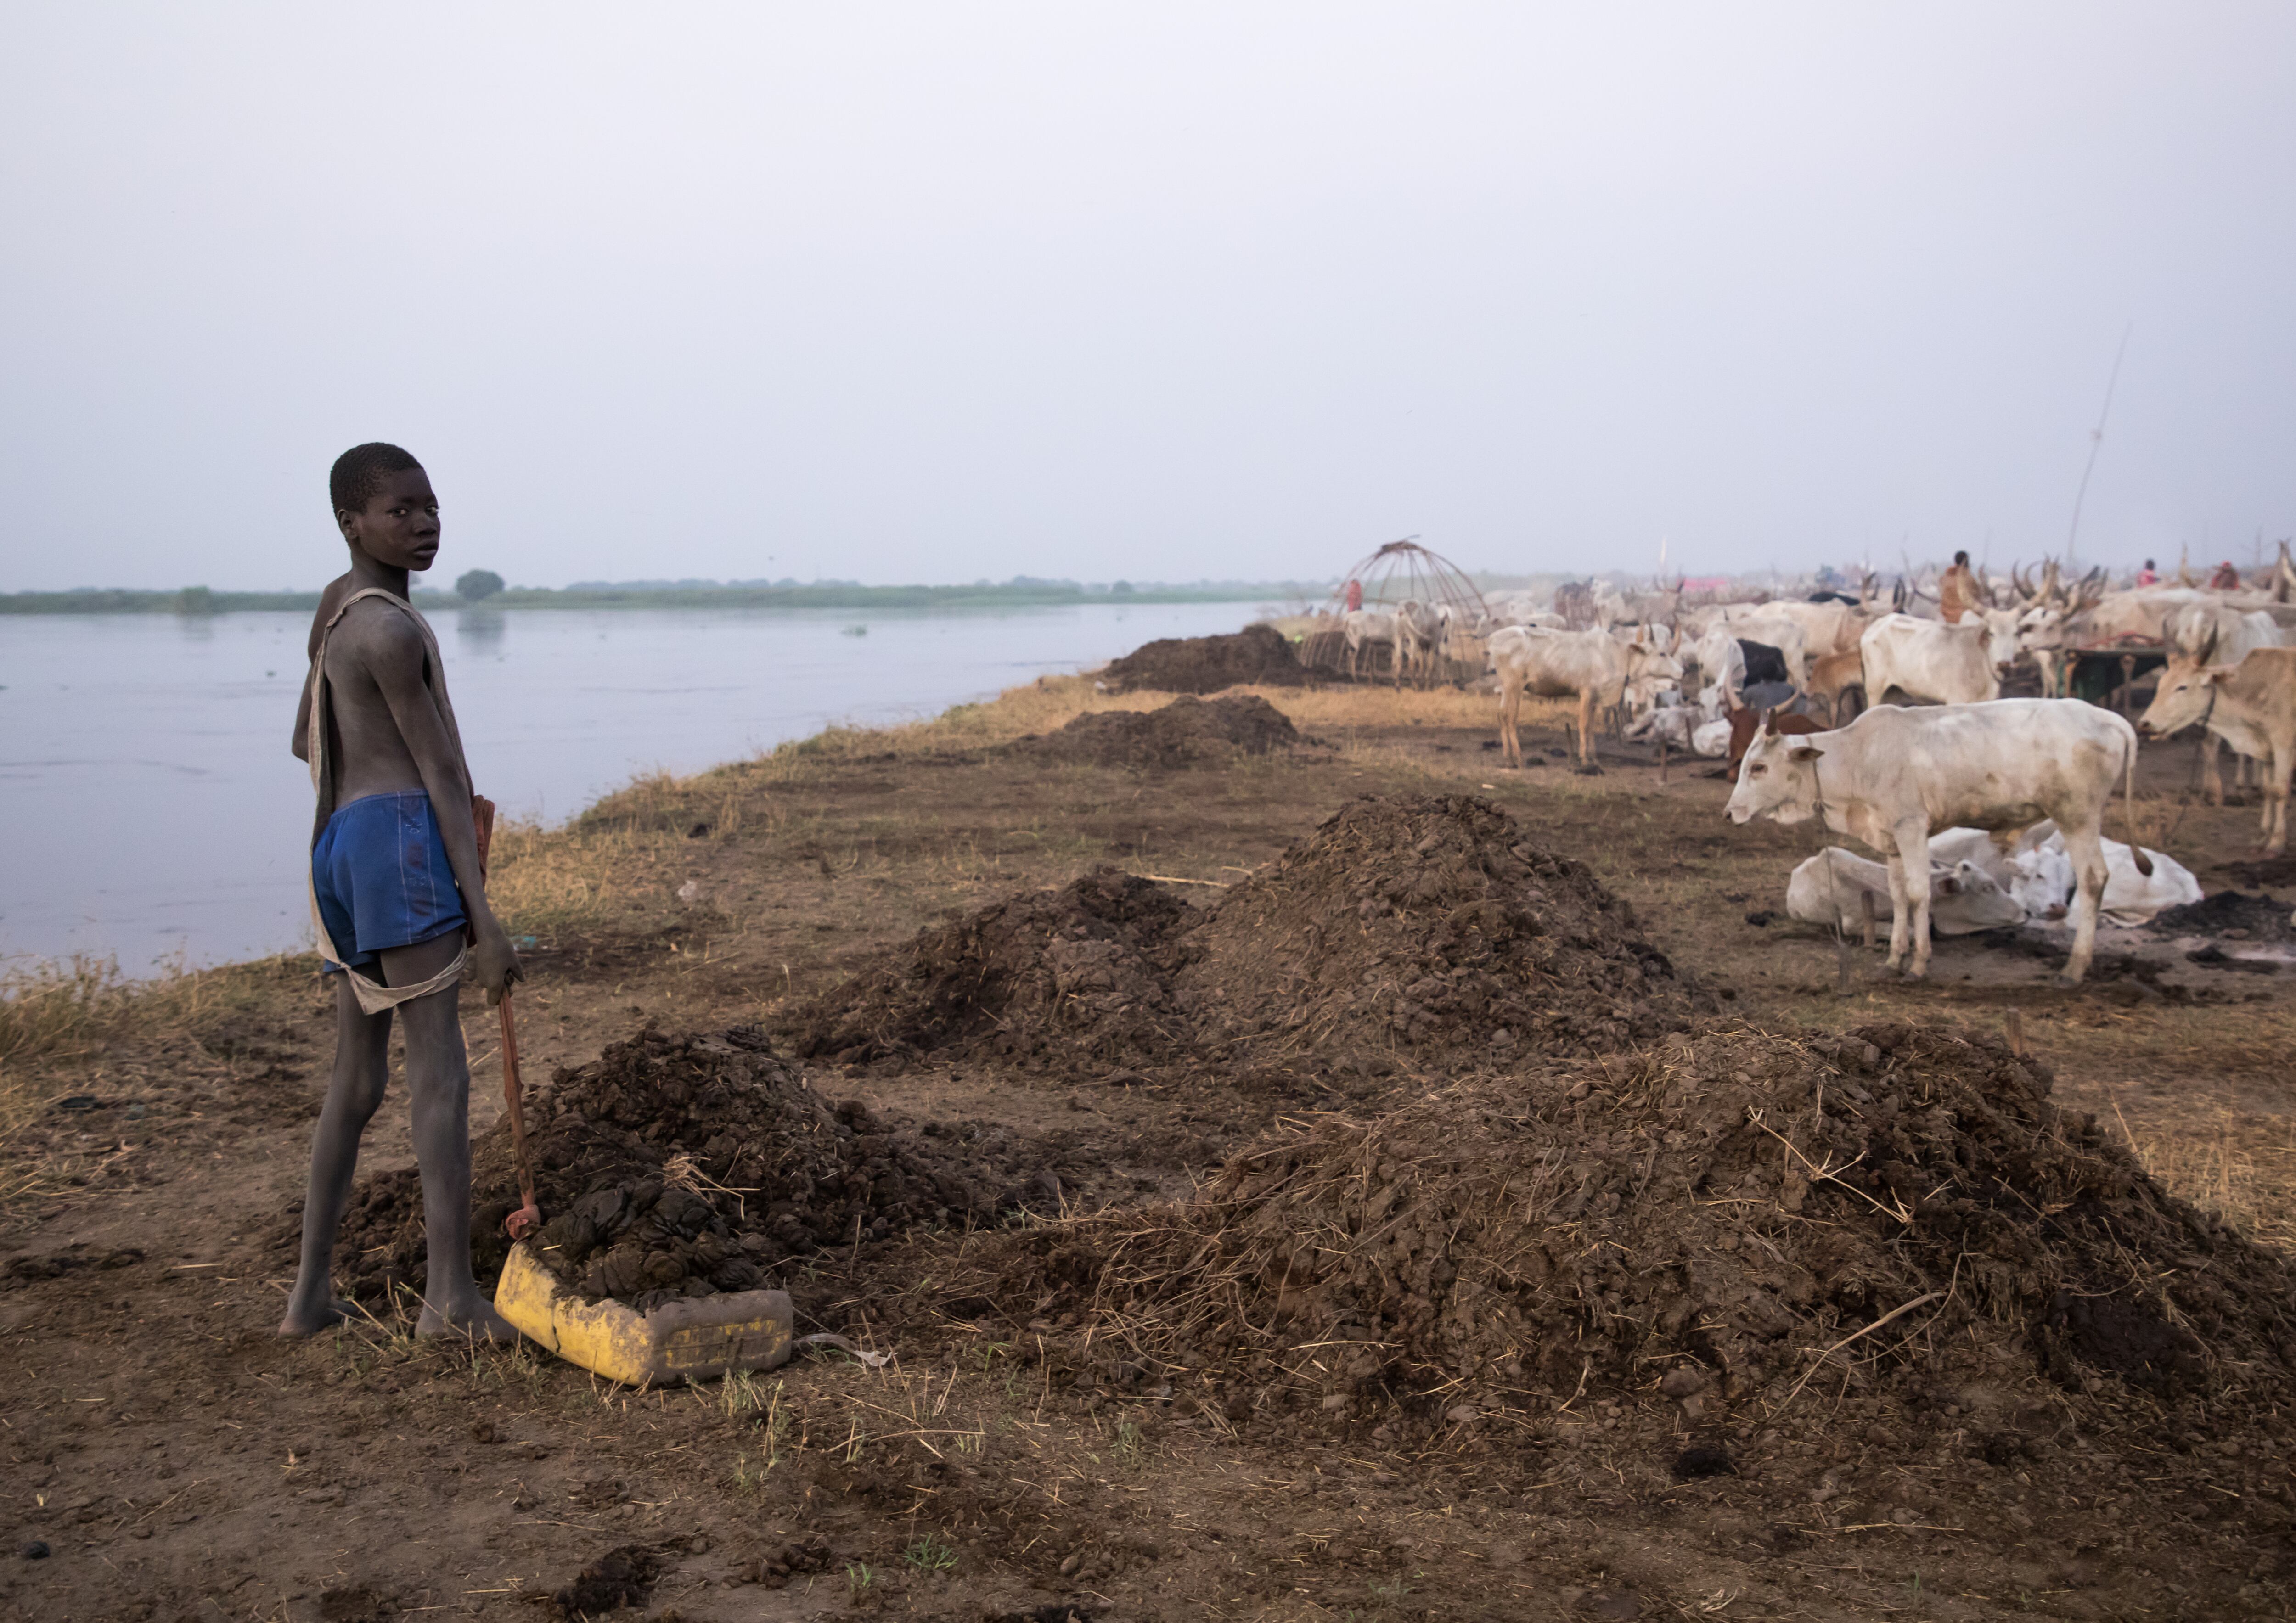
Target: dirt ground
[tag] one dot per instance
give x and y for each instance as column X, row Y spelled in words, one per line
column 167, row 1457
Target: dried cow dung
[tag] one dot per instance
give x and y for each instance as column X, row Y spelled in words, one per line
column 1085, row 970
column 1186, row 732
column 1737, row 1202
column 1432, row 925
column 1258, row 655
column 1426, row 925
column 675, row 1166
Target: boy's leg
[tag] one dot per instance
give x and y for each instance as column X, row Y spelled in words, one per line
column 439, row 1088
column 354, row 1092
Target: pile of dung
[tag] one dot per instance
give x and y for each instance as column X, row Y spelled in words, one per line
column 1430, row 924
column 2256, row 918
column 1745, row 1208
column 1186, row 732
column 1083, row 972
column 675, row 1166
column 1424, row 926
column 1257, row 655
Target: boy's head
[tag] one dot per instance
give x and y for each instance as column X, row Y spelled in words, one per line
column 1961, row 561
column 384, row 505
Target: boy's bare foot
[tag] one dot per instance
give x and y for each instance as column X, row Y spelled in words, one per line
column 474, row 1322
column 311, row 1321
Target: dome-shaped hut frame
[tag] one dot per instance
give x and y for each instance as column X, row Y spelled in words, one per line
column 1406, row 572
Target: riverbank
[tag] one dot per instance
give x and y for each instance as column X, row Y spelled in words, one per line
column 151, row 1156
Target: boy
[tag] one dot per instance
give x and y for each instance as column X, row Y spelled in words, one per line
column 395, row 887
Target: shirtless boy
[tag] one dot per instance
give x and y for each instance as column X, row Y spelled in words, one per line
column 396, row 887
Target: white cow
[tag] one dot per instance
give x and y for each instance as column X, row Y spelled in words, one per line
column 2043, row 882
column 1720, row 662
column 1362, row 626
column 1671, row 724
column 1830, row 889
column 1592, row 666
column 2035, row 869
column 1893, row 775
column 1419, row 630
column 1827, row 628
column 1930, row 659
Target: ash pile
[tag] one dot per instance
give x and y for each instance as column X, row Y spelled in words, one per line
column 681, row 1165
column 1188, row 732
column 1418, row 931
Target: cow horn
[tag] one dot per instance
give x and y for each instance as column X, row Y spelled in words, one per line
column 2208, row 654
column 1770, row 724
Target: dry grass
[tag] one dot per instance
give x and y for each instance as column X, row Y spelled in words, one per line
column 57, row 1021
column 2239, row 1166
column 1051, row 702
column 591, row 874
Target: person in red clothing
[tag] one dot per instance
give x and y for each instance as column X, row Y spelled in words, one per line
column 1354, row 595
column 2148, row 576
column 2225, row 580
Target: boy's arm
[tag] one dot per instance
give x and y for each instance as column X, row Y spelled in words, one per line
column 392, row 653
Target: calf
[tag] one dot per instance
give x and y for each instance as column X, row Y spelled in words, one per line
column 1591, row 665
column 1831, row 888
column 2251, row 706
column 1832, row 677
column 1362, row 626
column 1893, row 775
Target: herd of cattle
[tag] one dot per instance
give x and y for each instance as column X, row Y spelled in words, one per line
column 1890, row 727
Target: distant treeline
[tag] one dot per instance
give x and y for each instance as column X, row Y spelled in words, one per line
column 1019, row 593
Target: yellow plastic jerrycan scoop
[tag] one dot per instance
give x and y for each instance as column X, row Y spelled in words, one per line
column 693, row 1339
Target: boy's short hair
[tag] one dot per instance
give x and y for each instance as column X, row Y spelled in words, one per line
column 1957, row 557
column 359, row 472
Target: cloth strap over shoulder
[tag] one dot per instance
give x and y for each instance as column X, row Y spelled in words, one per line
column 373, row 996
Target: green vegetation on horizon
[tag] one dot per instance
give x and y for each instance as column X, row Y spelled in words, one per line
column 1021, row 592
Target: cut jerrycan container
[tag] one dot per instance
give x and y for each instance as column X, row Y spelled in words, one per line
column 693, row 1339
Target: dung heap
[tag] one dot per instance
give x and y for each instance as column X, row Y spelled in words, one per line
column 1896, row 1215
column 678, row 1166
column 1186, row 732
column 1080, row 975
column 1256, row 655
column 1428, row 925
column 1424, row 928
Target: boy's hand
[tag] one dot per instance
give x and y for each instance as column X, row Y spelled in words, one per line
column 497, row 960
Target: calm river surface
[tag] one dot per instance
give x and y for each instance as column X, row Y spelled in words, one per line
column 151, row 808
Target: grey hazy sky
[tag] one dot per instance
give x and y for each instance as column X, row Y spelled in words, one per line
column 949, row 291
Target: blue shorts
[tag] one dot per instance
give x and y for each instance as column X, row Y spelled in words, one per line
column 381, row 879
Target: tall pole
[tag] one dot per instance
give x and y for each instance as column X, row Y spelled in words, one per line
column 2096, row 444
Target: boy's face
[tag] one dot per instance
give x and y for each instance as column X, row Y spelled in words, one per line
column 398, row 526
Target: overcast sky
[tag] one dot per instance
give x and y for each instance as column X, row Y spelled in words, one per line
column 942, row 292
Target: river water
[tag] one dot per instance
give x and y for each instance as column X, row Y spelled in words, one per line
column 152, row 812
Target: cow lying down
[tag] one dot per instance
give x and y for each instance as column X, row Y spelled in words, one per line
column 1975, row 885
column 1963, row 897
column 2037, row 871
